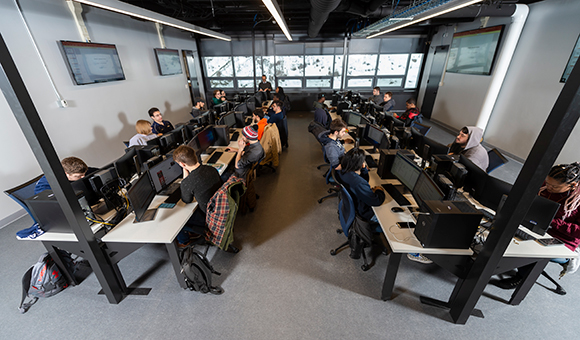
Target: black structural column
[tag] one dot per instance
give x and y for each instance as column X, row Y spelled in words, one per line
column 25, row 112
column 555, row 132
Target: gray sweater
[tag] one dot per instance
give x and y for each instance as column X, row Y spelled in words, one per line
column 201, row 183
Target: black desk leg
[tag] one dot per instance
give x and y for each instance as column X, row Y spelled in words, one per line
column 391, row 275
column 176, row 263
column 530, row 276
column 452, row 301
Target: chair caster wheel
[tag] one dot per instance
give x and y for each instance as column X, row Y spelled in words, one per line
column 365, row 267
column 339, row 231
column 329, row 191
column 232, row 249
column 319, row 201
column 332, row 252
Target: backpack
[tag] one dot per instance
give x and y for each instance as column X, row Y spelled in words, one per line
column 197, row 271
column 42, row 280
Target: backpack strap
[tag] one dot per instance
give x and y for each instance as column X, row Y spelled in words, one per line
column 23, row 308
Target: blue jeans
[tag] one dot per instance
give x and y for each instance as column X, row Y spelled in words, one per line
column 560, row 261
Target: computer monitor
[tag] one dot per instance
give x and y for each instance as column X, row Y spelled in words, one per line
column 426, row 190
column 154, row 141
column 475, row 180
column 494, row 190
column 416, row 142
column 242, row 107
column 203, row 140
column 228, row 119
column 435, row 147
column 84, row 185
column 376, row 137
column 221, row 108
column 167, row 142
column 164, row 173
column 405, row 170
column 178, row 135
column 140, row 196
column 540, row 215
column 126, row 166
column 354, row 118
column 102, row 177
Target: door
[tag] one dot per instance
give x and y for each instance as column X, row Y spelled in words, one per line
column 437, row 67
column 191, row 70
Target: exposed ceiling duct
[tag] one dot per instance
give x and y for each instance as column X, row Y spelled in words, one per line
column 319, row 11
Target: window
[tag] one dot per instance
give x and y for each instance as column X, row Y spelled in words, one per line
column 318, row 83
column 389, row 82
column 362, row 65
column 290, row 83
column 392, row 64
column 246, row 84
column 413, row 71
column 320, row 65
column 244, row 67
column 289, row 66
column 221, row 84
column 360, row 82
column 218, row 67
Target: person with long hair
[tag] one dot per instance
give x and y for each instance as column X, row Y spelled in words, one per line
column 560, row 186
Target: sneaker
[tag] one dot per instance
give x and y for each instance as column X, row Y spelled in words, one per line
column 419, row 258
column 508, row 283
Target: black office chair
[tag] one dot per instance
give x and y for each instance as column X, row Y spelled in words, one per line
column 496, row 159
column 355, row 228
column 23, row 192
column 423, row 129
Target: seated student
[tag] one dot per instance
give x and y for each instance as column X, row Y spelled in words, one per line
column 217, row 97
column 283, row 98
column 560, row 186
column 330, row 139
column 74, row 169
column 388, row 102
column 354, row 175
column 249, row 151
column 376, row 97
column 258, row 119
column 319, row 103
column 144, row 133
column 322, row 117
column 199, row 182
column 198, row 109
column 159, row 125
column 264, row 86
column 276, row 112
column 468, row 144
column 223, row 95
column 411, row 112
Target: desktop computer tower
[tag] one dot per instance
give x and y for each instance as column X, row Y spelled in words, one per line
column 386, row 159
column 47, row 211
column 222, row 135
column 446, row 226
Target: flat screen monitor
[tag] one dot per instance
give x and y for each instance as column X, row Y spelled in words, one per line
column 405, row 170
column 167, row 142
column 178, row 135
column 203, row 140
column 540, row 215
column 475, row 180
column 154, row 142
column 435, row 147
column 376, row 137
column 228, row 119
column 168, row 61
column 140, row 196
column 84, row 185
column 164, row 173
column 102, row 177
column 475, row 51
column 426, row 190
column 91, row 63
column 125, row 165
column 354, row 119
column 495, row 188
column 416, row 143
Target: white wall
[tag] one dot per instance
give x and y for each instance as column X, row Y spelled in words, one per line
column 531, row 85
column 99, row 116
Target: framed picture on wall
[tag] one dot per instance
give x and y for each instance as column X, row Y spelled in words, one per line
column 571, row 61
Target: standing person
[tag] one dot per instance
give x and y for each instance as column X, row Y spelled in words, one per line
column 199, row 182
column 249, row 151
column 159, row 125
column 197, row 109
column 561, row 186
column 144, row 133
column 74, row 169
column 411, row 112
column 330, row 140
column 467, row 143
column 376, row 97
column 388, row 102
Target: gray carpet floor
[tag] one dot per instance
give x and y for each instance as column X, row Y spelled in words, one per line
column 283, row 284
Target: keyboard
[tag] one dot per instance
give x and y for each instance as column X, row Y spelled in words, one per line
column 522, row 235
column 214, row 158
column 464, row 207
column 235, row 136
column 170, row 188
column 370, row 161
column 174, row 197
column 396, row 194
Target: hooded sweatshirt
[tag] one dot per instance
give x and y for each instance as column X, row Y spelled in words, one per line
column 333, row 149
column 473, row 150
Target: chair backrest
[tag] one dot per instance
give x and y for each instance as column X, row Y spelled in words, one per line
column 424, row 129
column 346, row 210
column 22, row 192
column 496, row 159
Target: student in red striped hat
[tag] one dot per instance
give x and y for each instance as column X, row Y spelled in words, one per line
column 249, row 150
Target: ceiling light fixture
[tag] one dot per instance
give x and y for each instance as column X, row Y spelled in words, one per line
column 138, row 12
column 418, row 12
column 274, row 9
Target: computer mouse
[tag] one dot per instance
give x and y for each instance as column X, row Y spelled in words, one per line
column 397, row 209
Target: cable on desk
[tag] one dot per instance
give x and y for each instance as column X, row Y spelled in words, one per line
column 395, row 236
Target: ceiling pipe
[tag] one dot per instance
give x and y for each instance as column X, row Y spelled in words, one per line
column 319, row 11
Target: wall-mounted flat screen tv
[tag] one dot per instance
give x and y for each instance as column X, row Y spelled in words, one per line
column 91, row 63
column 168, row 61
column 474, row 52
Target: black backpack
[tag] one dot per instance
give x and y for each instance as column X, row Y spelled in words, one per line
column 42, row 280
column 197, row 271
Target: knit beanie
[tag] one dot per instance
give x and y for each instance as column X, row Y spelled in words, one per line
column 250, row 132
